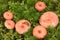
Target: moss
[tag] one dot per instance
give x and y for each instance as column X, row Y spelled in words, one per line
column 24, row 9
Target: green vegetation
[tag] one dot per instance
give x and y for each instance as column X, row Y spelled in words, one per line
column 24, row 9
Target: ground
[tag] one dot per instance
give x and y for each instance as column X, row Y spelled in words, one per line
column 24, row 9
